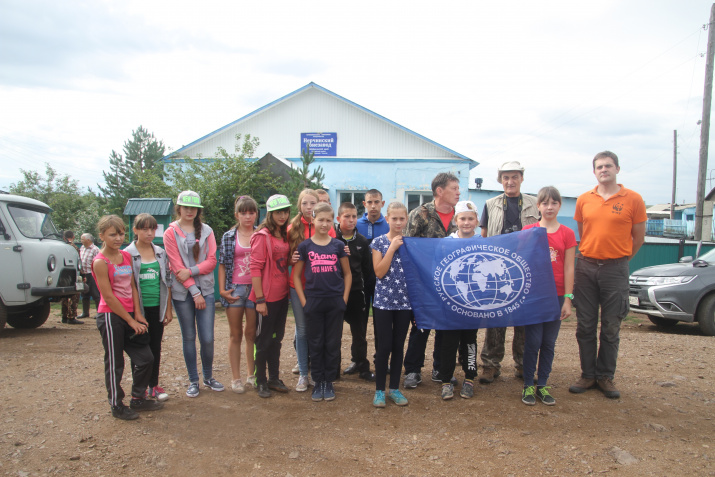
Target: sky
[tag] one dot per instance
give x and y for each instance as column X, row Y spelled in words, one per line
column 548, row 84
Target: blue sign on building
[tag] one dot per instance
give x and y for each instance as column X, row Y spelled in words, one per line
column 320, row 144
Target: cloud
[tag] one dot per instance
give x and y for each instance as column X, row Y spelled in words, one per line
column 64, row 44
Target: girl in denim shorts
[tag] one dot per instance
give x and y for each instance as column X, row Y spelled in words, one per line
column 234, row 279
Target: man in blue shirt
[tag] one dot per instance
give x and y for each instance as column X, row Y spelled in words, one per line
column 372, row 224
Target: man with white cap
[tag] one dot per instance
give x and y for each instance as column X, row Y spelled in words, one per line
column 503, row 214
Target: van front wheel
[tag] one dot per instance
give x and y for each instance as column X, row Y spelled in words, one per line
column 33, row 318
column 3, row 315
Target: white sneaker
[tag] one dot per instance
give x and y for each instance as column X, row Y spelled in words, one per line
column 237, row 386
column 296, row 369
column 302, row 384
column 251, row 381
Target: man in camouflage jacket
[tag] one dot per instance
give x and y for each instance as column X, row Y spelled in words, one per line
column 431, row 220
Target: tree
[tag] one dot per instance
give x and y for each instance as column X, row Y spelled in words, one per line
column 302, row 178
column 137, row 173
column 220, row 181
column 60, row 192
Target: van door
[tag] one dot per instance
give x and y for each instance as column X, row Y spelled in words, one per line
column 12, row 272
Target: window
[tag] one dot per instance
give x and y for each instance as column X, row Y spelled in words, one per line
column 415, row 199
column 354, row 198
column 33, row 223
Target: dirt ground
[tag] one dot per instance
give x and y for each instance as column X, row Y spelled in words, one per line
column 56, row 420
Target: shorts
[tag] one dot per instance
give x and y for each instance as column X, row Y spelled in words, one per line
column 242, row 292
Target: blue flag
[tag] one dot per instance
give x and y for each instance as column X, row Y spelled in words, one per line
column 464, row 284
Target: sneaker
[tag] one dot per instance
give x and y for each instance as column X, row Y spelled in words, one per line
column 237, row 386
column 296, row 369
column 328, row 391
column 608, row 388
column 277, row 385
column 213, row 384
column 251, row 382
column 367, row 376
column 354, row 368
column 435, row 376
column 145, row 405
column 447, row 391
column 582, row 385
column 302, row 384
column 527, row 396
column 317, row 392
column 396, row 396
column 467, row 390
column 124, row 413
column 543, row 393
column 489, row 375
column 158, row 393
column 263, row 391
column 412, row 380
column 379, row 399
column 193, row 390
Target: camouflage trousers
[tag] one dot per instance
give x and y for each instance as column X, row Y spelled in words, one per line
column 69, row 307
column 493, row 350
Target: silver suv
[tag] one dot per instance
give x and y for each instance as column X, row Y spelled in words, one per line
column 35, row 262
column 675, row 292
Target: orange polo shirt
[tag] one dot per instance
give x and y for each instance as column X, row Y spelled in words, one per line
column 607, row 224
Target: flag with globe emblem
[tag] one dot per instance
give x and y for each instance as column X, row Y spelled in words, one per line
column 462, row 284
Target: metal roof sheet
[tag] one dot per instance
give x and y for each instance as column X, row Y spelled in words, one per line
column 150, row 206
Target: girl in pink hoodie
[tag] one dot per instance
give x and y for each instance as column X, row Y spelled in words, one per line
column 269, row 276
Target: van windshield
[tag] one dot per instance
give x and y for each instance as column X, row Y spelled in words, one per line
column 33, row 223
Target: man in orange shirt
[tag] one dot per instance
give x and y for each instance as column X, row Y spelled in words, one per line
column 611, row 223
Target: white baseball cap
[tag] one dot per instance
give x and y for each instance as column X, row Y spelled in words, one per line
column 465, row 206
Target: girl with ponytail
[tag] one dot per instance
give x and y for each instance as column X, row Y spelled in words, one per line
column 191, row 247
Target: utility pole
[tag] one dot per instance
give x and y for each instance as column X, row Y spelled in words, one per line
column 675, row 168
column 705, row 128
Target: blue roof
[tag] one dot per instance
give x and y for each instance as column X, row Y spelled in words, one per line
column 320, row 88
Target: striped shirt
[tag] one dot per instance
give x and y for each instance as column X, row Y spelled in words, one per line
column 87, row 255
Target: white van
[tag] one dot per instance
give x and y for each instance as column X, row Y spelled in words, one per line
column 35, row 262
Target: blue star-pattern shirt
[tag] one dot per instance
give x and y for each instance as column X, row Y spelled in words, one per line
column 390, row 290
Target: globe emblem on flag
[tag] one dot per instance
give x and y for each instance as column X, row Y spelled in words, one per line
column 483, row 281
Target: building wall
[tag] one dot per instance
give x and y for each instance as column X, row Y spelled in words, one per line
column 395, row 179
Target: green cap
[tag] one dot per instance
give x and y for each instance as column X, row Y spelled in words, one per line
column 189, row 198
column 277, row 202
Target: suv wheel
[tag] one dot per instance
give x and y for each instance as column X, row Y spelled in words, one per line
column 663, row 322
column 32, row 319
column 706, row 315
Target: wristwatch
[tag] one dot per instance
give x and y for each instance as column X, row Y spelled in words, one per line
column 569, row 295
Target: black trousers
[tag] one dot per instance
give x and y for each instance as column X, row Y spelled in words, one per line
column 416, row 346
column 369, row 291
column 324, row 317
column 92, row 290
column 356, row 316
column 116, row 339
column 466, row 342
column 156, row 333
column 269, row 336
column 392, row 328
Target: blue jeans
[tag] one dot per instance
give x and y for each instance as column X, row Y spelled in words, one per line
column 301, row 333
column 189, row 320
column 540, row 343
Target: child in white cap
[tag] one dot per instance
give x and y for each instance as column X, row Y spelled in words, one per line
column 465, row 216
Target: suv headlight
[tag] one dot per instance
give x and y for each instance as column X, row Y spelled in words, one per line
column 51, row 263
column 669, row 280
